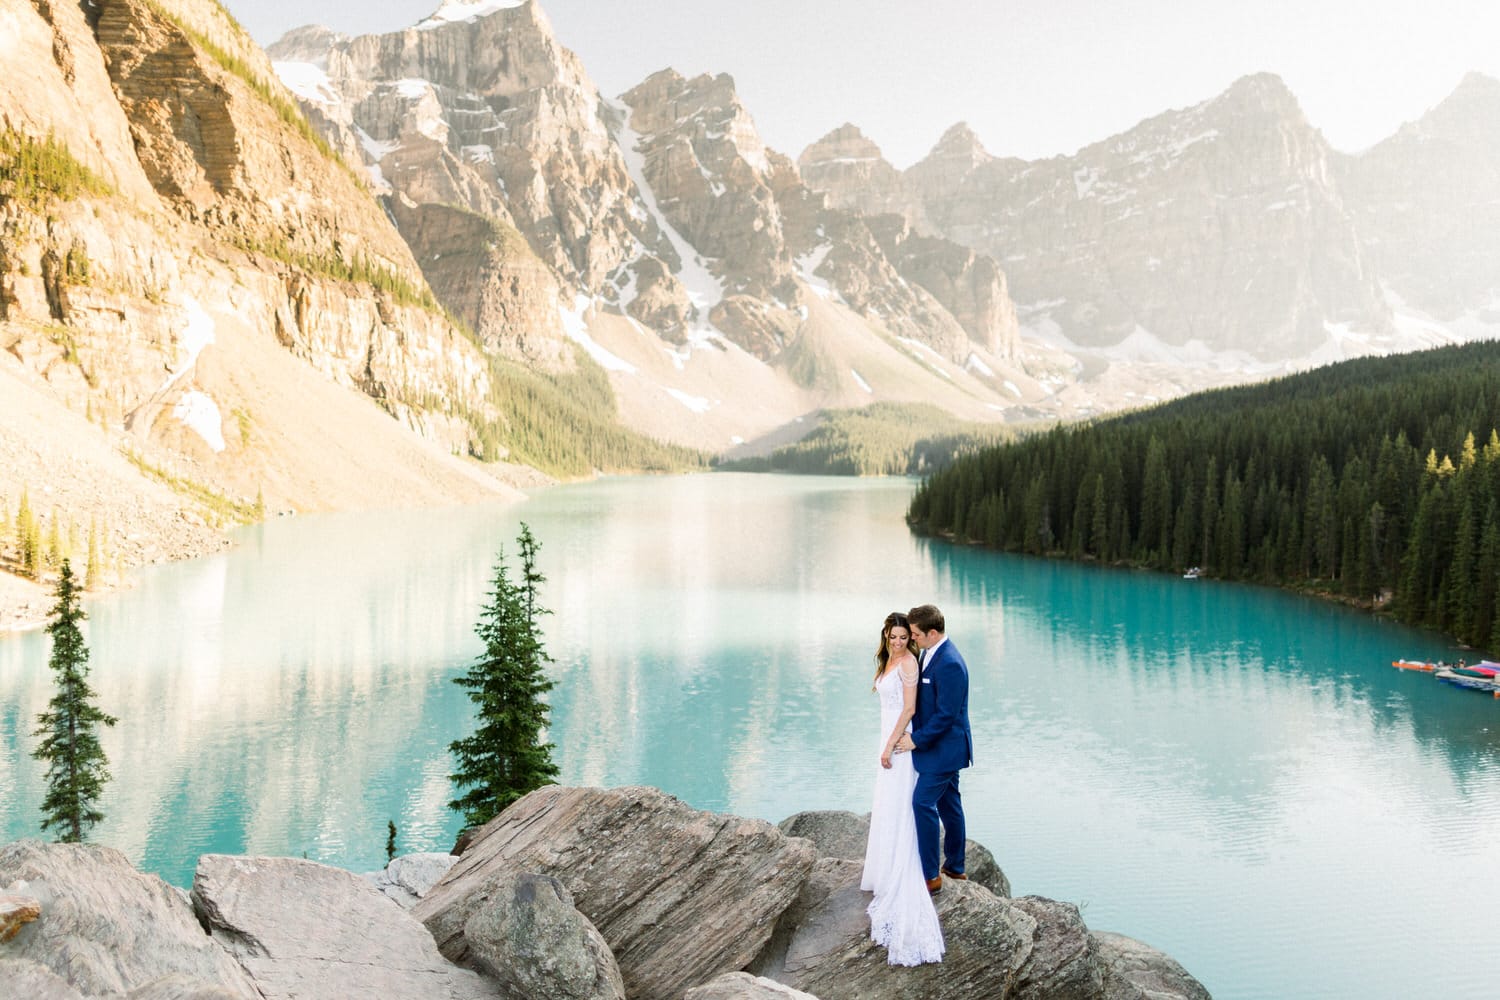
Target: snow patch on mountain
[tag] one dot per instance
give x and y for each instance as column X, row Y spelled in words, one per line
column 465, row 10
column 695, row 403
column 704, row 290
column 308, row 81
column 577, row 329
column 200, row 414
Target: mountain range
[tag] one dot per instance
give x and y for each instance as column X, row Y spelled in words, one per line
column 228, row 269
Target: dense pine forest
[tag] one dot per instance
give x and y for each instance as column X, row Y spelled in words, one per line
column 882, row 439
column 1376, row 479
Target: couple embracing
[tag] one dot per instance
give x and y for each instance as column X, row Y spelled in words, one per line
column 923, row 684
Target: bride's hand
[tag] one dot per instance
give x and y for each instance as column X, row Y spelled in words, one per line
column 885, row 760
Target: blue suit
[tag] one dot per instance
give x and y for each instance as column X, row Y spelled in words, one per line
column 942, row 745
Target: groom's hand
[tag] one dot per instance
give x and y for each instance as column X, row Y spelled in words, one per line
column 904, row 744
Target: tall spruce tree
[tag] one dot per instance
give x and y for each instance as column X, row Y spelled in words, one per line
column 76, row 766
column 506, row 756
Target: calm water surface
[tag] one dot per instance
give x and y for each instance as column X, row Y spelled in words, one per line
column 1231, row 774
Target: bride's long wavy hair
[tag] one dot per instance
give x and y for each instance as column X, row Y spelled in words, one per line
column 883, row 654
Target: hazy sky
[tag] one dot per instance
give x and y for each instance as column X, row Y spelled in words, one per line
column 1033, row 77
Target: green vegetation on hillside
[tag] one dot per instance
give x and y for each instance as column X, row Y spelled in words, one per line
column 882, row 439
column 567, row 425
column 218, row 510
column 361, row 269
column 287, row 111
column 34, row 170
column 1361, row 479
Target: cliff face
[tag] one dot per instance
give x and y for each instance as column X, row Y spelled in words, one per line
column 1221, row 224
column 666, row 207
column 164, row 209
column 1427, row 204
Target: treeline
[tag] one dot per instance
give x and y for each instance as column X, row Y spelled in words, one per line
column 37, row 547
column 568, row 425
column 1378, row 479
column 883, row 439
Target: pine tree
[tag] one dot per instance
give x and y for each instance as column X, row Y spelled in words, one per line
column 76, row 766
column 390, row 842
column 506, row 757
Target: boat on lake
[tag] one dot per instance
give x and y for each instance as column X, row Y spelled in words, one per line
column 1466, row 678
column 1414, row 665
column 1193, row 573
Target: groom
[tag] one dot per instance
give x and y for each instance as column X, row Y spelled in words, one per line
column 941, row 745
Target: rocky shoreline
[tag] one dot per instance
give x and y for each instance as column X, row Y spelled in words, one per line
column 570, row 894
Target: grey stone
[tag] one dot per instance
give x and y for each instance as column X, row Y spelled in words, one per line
column 980, row 866
column 680, row 895
column 408, row 878
column 307, row 931
column 106, row 928
column 530, row 938
column 22, row 977
column 180, row 987
column 835, row 832
column 822, row 944
column 1133, row 970
column 743, row 986
column 841, row 834
column 1061, row 965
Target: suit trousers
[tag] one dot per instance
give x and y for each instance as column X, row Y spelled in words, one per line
column 935, row 798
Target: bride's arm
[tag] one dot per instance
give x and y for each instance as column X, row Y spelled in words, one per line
column 909, row 675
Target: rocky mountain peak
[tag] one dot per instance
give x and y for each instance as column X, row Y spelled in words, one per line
column 845, row 143
column 960, row 142
column 455, row 11
column 308, row 44
column 1470, row 114
column 1258, row 96
column 707, row 109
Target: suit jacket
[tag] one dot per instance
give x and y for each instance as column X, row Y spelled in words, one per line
column 940, row 734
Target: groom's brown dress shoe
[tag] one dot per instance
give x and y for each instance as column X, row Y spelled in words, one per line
column 934, row 885
column 958, row 876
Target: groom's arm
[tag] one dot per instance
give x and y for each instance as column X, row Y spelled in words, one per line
column 947, row 704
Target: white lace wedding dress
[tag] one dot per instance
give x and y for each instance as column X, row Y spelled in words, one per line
column 902, row 917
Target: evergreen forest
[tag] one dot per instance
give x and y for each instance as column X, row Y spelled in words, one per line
column 1375, row 480
column 882, row 439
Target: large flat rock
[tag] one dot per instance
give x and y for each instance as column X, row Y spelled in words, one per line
column 106, row 929
column 305, row 931
column 823, row 946
column 680, row 895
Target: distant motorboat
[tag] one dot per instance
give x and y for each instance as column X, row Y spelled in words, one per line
column 1192, row 574
column 1413, row 665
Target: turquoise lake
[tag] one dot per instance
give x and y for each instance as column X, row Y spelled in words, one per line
column 1232, row 774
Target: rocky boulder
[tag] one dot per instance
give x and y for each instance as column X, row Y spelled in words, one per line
column 822, row 945
column 25, row 978
column 108, row 929
column 1061, row 965
column 1135, row 971
column 679, row 894
column 408, row 878
column 524, row 932
column 840, row 834
column 308, row 931
column 743, row 986
column 835, row 832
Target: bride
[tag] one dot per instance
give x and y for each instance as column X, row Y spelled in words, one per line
column 902, row 917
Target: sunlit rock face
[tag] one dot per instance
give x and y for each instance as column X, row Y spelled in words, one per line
column 666, row 206
column 1427, row 205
